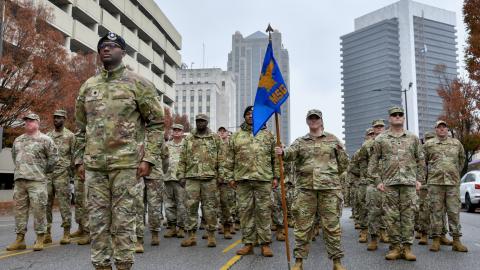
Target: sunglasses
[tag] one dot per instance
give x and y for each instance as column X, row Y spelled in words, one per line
column 396, row 114
column 110, row 45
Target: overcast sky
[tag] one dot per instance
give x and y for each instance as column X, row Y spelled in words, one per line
column 310, row 30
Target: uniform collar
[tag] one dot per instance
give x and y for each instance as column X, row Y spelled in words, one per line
column 113, row 73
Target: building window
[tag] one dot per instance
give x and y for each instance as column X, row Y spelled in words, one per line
column 184, row 76
column 184, row 92
column 184, row 109
column 208, row 109
column 200, row 93
column 206, row 74
column 191, row 109
column 184, row 98
column 176, row 99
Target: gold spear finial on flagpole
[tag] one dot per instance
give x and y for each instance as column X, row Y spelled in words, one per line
column 269, row 31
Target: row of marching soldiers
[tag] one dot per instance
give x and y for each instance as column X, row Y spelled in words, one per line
column 398, row 184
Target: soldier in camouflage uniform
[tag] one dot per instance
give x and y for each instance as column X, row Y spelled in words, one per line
column 58, row 184
column 396, row 167
column 199, row 167
column 446, row 158
column 120, row 132
column 174, row 189
column 374, row 197
column 319, row 159
column 226, row 195
column 353, row 176
column 34, row 155
column 251, row 168
column 277, row 214
column 151, row 194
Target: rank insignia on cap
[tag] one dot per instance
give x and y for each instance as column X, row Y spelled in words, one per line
column 112, row 36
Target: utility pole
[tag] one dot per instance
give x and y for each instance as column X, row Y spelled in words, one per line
column 2, row 19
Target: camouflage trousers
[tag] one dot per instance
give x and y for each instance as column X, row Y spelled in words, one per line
column 226, row 200
column 26, row 194
column 346, row 195
column 235, row 214
column 111, row 200
column 81, row 210
column 58, row 186
column 361, row 206
column 139, row 205
column 277, row 211
column 290, row 199
column 154, row 192
column 327, row 204
column 255, row 209
column 400, row 207
column 376, row 220
column 204, row 191
column 353, row 199
column 422, row 215
column 175, row 199
column 445, row 199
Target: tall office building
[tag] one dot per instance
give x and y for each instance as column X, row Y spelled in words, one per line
column 390, row 59
column 210, row 91
column 245, row 61
column 152, row 40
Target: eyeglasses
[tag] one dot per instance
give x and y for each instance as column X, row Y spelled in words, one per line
column 109, row 45
column 396, row 114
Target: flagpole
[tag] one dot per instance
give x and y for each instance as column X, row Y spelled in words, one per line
column 282, row 177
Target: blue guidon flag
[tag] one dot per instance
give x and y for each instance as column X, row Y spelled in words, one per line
column 271, row 92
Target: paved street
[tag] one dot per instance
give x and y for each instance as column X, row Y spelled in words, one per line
column 169, row 255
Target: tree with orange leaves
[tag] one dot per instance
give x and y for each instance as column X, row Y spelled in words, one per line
column 471, row 12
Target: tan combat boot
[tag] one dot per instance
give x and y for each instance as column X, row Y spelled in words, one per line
column 458, row 246
column 139, row 246
column 423, row 239
column 444, row 241
column 85, row 240
column 408, row 254
column 190, row 240
column 245, row 250
column 357, row 226
column 18, row 244
column 123, row 266
column 212, row 242
column 395, row 253
column 155, row 241
column 237, row 226
column 48, row 236
column 220, row 229
column 78, row 233
column 337, row 265
column 172, row 232
column 180, row 233
column 266, row 250
column 436, row 244
column 373, row 245
column 384, row 236
column 38, row 246
column 298, row 264
column 363, row 236
column 66, row 236
column 280, row 235
column 274, row 228
column 109, row 267
column 226, row 232
column 418, row 234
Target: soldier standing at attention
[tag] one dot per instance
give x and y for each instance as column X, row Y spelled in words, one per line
column 58, row 184
column 401, row 173
column 174, row 189
column 118, row 113
column 227, row 197
column 199, row 167
column 34, row 155
column 251, row 168
column 446, row 158
column 319, row 159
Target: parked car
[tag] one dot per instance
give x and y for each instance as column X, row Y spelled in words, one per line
column 470, row 190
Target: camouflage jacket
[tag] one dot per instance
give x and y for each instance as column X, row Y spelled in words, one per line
column 34, row 157
column 445, row 159
column 319, row 161
column 174, row 151
column 251, row 157
column 200, row 157
column 158, row 172
column 353, row 170
column 364, row 154
column 223, row 154
column 65, row 142
column 397, row 159
column 118, row 113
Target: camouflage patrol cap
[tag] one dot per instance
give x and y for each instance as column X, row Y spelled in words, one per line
column 61, row 113
column 395, row 109
column 177, row 126
column 31, row 116
column 429, row 135
column 314, row 112
column 378, row 122
column 201, row 117
column 440, row 122
column 369, row 131
column 110, row 36
column 221, row 127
